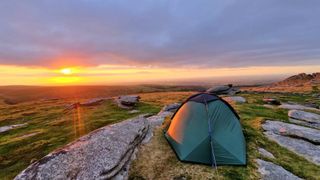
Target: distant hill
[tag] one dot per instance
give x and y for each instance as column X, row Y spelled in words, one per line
column 297, row 83
column 301, row 79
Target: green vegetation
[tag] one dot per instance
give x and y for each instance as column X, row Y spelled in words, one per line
column 157, row 160
column 50, row 127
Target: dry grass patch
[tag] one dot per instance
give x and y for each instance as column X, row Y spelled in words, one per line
column 162, row 98
column 156, row 160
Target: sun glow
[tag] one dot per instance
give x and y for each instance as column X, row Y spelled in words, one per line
column 66, row 71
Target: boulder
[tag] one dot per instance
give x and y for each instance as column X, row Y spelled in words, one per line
column 297, row 107
column 292, row 130
column 127, row 102
column 171, row 107
column 265, row 153
column 102, row 154
column 7, row 128
column 224, row 89
column 271, row 101
column 237, row 99
column 271, row 171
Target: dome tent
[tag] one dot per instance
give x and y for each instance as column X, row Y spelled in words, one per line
column 206, row 129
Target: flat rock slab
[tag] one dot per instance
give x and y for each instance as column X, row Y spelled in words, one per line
column 297, row 107
column 98, row 155
column 265, row 153
column 271, row 171
column 292, row 130
column 304, row 123
column 237, row 99
column 303, row 148
column 304, row 116
column 7, row 128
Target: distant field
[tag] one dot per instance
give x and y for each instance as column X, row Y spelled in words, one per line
column 18, row 94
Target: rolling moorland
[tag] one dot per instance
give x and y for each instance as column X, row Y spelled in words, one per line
column 46, row 126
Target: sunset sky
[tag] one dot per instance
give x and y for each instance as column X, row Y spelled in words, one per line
column 51, row 42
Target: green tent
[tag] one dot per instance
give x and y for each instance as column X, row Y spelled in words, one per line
column 206, row 129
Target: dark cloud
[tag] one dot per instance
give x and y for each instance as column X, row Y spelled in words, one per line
column 204, row 33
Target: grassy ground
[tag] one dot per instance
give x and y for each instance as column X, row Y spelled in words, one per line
column 156, row 160
column 55, row 128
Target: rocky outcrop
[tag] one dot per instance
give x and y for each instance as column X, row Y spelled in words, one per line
column 300, row 79
column 102, row 154
column 265, row 153
column 7, row 128
column 271, row 171
column 224, row 89
column 301, row 140
column 236, row 99
column 127, row 102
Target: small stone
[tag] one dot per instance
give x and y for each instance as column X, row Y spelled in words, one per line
column 265, row 153
column 237, row 99
column 271, row 101
column 134, row 111
column 7, row 128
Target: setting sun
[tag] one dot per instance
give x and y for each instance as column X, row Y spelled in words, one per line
column 66, row 71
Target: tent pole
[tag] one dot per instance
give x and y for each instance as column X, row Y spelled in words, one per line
column 214, row 163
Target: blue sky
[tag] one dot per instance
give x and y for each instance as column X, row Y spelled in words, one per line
column 162, row 33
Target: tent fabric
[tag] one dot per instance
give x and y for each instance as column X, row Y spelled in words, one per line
column 197, row 124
